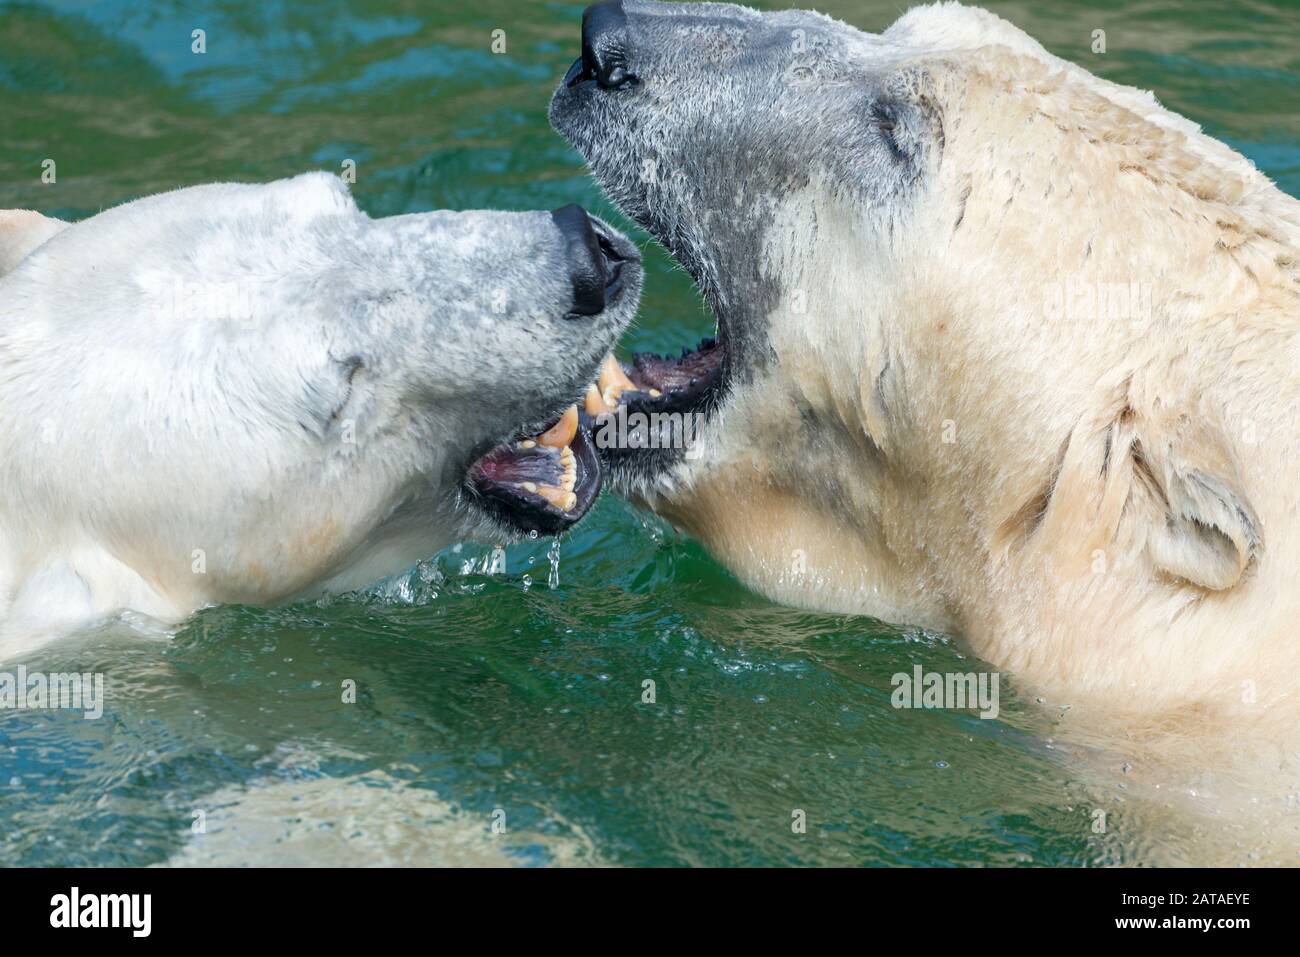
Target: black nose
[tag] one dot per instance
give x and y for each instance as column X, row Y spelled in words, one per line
column 604, row 48
column 588, row 269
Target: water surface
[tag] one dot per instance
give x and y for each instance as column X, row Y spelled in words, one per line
column 485, row 693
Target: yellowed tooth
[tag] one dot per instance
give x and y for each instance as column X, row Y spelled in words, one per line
column 612, row 374
column 655, row 393
column 529, row 487
column 595, row 403
column 568, row 482
column 613, row 382
column 562, row 432
column 561, row 499
column 527, row 444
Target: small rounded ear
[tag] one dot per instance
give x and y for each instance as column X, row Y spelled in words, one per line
column 1208, row 533
column 904, row 117
column 21, row 231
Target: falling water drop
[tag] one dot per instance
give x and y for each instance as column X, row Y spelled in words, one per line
column 553, row 556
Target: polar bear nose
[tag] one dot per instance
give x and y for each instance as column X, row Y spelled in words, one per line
column 604, row 47
column 594, row 265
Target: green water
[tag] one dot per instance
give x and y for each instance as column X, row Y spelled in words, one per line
column 494, row 697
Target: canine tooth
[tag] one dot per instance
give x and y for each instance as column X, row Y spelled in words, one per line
column 529, row 487
column 562, row 432
column 560, row 498
column 613, row 382
column 595, row 403
column 613, row 376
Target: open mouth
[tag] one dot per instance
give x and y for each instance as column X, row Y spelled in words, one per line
column 542, row 483
column 599, row 85
column 547, row 481
column 547, row 477
column 652, row 383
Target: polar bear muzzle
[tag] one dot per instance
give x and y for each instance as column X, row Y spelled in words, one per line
column 545, row 480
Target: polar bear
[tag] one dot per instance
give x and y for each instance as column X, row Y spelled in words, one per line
column 1004, row 350
column 254, row 393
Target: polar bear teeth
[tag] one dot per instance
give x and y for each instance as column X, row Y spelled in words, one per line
column 604, row 394
column 658, row 383
column 570, row 465
column 556, row 441
column 564, row 501
column 561, row 434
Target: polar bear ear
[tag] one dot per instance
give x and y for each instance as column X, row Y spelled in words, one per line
column 1208, row 532
column 21, row 231
column 904, row 118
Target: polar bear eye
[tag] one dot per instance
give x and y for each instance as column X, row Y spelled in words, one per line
column 350, row 368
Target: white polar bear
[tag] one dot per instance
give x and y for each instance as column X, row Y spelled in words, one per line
column 251, row 393
column 1004, row 349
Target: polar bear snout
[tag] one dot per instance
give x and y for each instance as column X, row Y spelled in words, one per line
column 596, row 258
column 604, row 48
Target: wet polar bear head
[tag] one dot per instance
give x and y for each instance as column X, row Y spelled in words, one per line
column 247, row 393
column 1003, row 349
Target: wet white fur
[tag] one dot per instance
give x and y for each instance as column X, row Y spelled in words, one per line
column 1105, row 508
column 249, row 393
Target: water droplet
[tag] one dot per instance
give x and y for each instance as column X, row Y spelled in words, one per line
column 553, row 556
